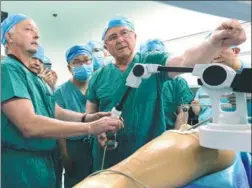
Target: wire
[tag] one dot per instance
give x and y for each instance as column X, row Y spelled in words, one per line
column 103, row 157
column 121, row 173
column 244, row 24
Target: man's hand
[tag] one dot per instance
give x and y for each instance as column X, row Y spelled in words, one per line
column 50, row 77
column 227, row 34
column 105, row 124
column 102, row 139
column 46, row 75
column 96, row 116
column 53, row 80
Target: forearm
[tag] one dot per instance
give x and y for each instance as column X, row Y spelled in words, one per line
column 91, row 107
column 67, row 115
column 201, row 54
column 41, row 126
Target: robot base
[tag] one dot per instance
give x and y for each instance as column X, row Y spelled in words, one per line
column 226, row 137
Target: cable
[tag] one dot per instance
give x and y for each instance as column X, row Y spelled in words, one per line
column 121, row 173
column 244, row 24
column 103, row 157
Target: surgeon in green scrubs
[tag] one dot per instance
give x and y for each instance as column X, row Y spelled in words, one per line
column 142, row 112
column 176, row 92
column 76, row 151
column 28, row 124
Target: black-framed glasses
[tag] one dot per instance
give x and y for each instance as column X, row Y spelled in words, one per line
column 123, row 33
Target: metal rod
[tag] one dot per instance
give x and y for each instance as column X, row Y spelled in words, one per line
column 103, row 157
column 175, row 69
column 119, row 106
column 200, row 123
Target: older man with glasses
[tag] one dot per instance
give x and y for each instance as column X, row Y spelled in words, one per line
column 143, row 110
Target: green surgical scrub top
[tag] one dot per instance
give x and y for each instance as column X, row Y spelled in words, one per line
column 68, row 96
column 19, row 82
column 142, row 112
column 175, row 93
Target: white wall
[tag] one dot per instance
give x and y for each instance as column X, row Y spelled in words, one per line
column 80, row 21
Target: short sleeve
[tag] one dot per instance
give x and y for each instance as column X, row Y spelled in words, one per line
column 14, row 83
column 91, row 92
column 161, row 59
column 59, row 98
column 184, row 93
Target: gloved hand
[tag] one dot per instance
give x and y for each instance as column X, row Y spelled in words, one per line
column 196, row 107
column 182, row 118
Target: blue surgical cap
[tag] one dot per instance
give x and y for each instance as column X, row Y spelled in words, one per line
column 152, row 45
column 95, row 44
column 117, row 22
column 47, row 60
column 233, row 46
column 40, row 54
column 77, row 50
column 9, row 23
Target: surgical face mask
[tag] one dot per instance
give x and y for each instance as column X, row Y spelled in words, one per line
column 98, row 62
column 99, row 54
column 82, row 73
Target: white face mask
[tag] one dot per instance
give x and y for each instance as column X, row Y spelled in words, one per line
column 99, row 54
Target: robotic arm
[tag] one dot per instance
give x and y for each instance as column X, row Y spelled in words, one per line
column 134, row 79
column 229, row 130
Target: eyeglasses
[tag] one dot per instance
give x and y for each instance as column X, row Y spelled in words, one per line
column 123, row 33
column 76, row 62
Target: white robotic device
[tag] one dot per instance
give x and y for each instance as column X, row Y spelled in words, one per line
column 229, row 130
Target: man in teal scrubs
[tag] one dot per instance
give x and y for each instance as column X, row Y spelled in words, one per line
column 28, row 123
column 176, row 92
column 76, row 151
column 143, row 112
